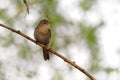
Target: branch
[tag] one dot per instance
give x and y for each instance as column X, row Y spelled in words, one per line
column 25, row 2
column 51, row 50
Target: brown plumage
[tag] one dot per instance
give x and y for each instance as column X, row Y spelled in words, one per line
column 42, row 34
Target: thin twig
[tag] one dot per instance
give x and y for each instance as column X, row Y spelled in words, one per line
column 27, row 7
column 51, row 50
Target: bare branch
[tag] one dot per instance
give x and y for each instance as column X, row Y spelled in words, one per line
column 51, row 50
column 27, row 7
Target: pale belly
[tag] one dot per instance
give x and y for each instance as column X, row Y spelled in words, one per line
column 43, row 38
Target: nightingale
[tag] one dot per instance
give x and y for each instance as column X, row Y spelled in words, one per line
column 42, row 34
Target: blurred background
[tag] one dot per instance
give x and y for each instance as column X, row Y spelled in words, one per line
column 85, row 31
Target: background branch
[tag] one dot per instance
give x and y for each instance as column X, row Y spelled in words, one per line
column 51, row 50
column 27, row 7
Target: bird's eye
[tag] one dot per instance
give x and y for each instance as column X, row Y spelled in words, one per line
column 45, row 22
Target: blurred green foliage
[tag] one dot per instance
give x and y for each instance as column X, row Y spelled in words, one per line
column 24, row 51
column 2, row 73
column 7, row 19
column 89, row 35
column 110, row 70
column 31, row 74
column 7, row 41
column 86, row 4
column 58, row 76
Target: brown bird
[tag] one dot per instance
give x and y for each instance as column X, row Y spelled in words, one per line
column 42, row 34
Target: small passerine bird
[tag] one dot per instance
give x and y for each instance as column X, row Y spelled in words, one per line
column 42, row 34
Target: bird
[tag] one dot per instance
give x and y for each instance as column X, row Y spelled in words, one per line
column 42, row 34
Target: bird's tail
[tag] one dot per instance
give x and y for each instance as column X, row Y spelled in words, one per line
column 45, row 54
